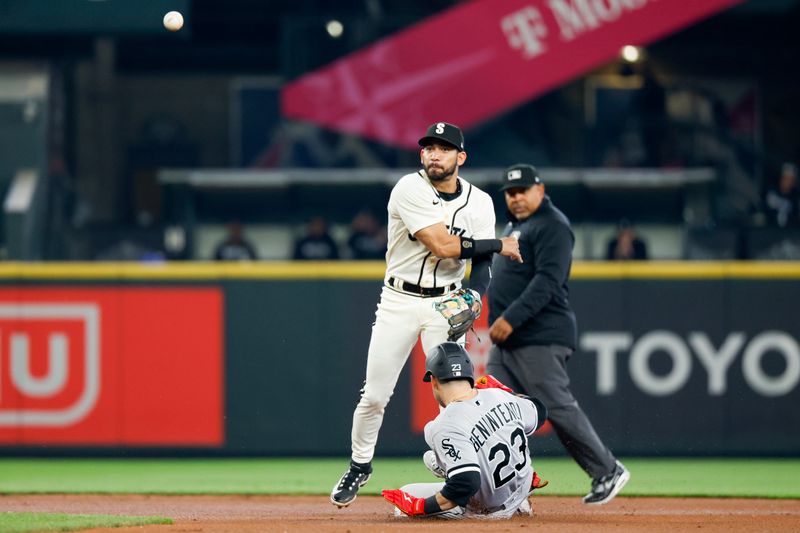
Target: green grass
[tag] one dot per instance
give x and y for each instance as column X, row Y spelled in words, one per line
column 746, row 478
column 23, row 522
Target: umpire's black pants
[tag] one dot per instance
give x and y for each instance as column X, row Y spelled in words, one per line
column 541, row 372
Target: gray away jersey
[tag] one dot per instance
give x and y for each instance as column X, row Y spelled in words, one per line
column 487, row 434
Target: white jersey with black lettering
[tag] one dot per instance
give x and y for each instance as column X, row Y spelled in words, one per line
column 487, row 434
column 415, row 204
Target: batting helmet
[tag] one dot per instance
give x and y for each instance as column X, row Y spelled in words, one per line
column 449, row 361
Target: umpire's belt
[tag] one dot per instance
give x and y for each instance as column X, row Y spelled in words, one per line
column 425, row 292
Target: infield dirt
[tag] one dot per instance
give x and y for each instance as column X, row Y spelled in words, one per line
column 371, row 514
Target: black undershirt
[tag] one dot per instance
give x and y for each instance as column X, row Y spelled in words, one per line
column 450, row 196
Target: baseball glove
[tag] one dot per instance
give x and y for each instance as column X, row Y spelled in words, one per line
column 461, row 309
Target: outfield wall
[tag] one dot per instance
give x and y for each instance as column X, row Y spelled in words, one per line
column 268, row 358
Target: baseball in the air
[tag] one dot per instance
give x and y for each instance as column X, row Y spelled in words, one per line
column 173, row 21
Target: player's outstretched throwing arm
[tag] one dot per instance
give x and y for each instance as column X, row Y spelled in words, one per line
column 463, row 307
column 446, row 246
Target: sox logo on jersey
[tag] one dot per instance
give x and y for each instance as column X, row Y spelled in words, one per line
column 450, row 450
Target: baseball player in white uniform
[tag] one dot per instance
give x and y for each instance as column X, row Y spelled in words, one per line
column 479, row 444
column 437, row 221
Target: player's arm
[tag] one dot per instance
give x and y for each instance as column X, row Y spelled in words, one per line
column 459, row 488
column 534, row 413
column 481, row 273
column 457, row 491
column 463, row 475
column 460, row 462
column 443, row 503
column 446, row 246
column 541, row 410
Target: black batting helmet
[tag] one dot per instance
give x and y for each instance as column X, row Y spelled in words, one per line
column 449, row 361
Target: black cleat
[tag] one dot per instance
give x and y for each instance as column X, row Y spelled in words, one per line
column 605, row 488
column 346, row 489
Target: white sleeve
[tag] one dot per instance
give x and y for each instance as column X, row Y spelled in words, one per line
column 455, row 451
column 530, row 416
column 414, row 204
column 430, row 428
column 485, row 227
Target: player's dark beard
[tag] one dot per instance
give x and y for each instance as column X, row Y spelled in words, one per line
column 443, row 173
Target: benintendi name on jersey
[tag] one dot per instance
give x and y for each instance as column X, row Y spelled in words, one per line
column 497, row 417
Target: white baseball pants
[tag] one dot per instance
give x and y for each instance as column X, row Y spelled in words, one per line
column 400, row 319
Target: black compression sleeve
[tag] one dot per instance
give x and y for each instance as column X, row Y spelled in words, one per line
column 461, row 487
column 474, row 248
column 431, row 505
column 481, row 274
column 541, row 409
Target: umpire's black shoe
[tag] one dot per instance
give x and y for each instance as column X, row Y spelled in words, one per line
column 346, row 489
column 605, row 488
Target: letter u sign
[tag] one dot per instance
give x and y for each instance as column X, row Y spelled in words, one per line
column 67, row 388
column 57, row 366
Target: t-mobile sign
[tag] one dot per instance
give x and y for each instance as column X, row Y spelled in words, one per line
column 477, row 60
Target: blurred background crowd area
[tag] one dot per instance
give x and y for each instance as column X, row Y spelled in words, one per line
column 120, row 140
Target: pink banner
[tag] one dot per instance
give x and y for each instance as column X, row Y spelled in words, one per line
column 477, row 60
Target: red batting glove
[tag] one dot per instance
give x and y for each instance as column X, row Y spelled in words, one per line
column 537, row 482
column 489, row 382
column 405, row 502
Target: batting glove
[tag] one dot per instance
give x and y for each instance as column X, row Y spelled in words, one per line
column 537, row 482
column 410, row 505
column 489, row 382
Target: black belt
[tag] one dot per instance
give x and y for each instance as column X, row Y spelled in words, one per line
column 422, row 291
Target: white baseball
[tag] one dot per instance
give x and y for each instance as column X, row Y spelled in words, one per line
column 173, row 21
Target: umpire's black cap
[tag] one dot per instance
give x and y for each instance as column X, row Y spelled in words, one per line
column 444, row 131
column 520, row 175
column 448, row 361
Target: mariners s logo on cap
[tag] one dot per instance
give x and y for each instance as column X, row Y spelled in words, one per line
column 443, row 132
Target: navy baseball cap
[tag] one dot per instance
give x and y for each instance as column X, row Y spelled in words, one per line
column 443, row 131
column 448, row 361
column 520, row 175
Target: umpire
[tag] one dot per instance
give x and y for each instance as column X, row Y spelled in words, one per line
column 533, row 326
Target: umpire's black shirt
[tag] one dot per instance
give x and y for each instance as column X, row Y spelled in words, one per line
column 533, row 296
